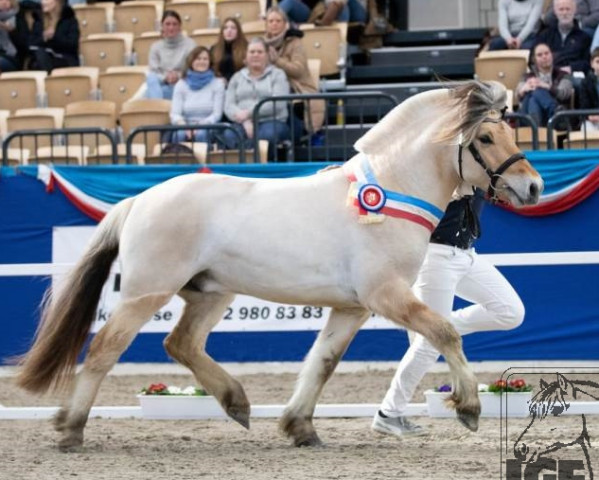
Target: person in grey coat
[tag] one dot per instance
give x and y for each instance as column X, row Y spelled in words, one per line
column 256, row 81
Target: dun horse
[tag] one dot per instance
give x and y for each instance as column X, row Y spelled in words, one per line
column 350, row 238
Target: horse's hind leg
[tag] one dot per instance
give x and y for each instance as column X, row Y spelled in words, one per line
column 319, row 365
column 104, row 351
column 187, row 342
column 396, row 302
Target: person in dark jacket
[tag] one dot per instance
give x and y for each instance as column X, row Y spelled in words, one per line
column 569, row 44
column 589, row 92
column 545, row 89
column 451, row 267
column 54, row 38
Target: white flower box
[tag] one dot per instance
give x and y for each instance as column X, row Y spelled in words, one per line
column 511, row 404
column 173, row 407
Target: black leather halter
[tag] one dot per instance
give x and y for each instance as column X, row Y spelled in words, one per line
column 493, row 175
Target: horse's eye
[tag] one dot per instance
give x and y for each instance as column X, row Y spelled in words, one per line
column 485, row 139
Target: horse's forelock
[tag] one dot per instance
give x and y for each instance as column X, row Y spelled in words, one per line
column 474, row 101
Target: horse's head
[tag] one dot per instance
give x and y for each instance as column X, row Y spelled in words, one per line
column 488, row 156
column 550, row 402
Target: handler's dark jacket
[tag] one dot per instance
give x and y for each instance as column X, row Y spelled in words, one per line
column 460, row 226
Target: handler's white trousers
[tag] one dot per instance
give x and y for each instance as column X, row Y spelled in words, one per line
column 447, row 272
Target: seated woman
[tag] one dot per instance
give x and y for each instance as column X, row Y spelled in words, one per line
column 286, row 51
column 198, row 97
column 167, row 57
column 54, row 37
column 518, row 21
column 545, row 89
column 8, row 52
column 256, row 81
column 228, row 53
column 589, row 92
column 303, row 11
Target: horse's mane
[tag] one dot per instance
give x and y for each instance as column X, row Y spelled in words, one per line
column 542, row 403
column 455, row 111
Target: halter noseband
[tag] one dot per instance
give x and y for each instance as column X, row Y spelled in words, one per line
column 493, row 175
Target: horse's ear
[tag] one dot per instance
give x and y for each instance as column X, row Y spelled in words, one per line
column 563, row 381
column 543, row 384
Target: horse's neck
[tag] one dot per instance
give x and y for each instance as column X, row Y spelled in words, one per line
column 428, row 175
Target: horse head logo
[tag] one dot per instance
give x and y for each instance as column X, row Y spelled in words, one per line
column 548, row 404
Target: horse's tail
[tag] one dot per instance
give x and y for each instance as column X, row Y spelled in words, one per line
column 68, row 313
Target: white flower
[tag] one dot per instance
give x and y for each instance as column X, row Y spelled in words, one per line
column 191, row 390
column 483, row 387
column 174, row 390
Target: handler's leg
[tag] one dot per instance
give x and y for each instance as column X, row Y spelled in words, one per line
column 187, row 343
column 395, row 301
column 105, row 349
column 496, row 305
column 319, row 365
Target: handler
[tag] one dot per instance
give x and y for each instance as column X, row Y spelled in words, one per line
column 451, row 267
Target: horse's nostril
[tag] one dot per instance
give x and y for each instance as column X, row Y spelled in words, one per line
column 533, row 191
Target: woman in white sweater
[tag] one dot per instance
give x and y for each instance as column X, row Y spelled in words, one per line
column 198, row 98
column 518, row 23
column 167, row 57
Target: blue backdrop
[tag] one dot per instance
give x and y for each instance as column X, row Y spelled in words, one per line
column 562, row 312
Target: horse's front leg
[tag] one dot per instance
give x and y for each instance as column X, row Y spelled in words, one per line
column 396, row 302
column 319, row 365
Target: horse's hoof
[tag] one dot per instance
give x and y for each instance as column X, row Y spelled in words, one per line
column 240, row 416
column 469, row 421
column 311, row 440
column 71, row 443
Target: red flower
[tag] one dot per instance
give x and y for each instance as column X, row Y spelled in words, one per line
column 157, row 388
column 501, row 383
column 517, row 383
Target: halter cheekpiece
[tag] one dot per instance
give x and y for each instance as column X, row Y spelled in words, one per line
column 376, row 203
column 493, row 175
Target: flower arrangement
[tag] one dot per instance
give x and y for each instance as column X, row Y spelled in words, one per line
column 162, row 389
column 499, row 386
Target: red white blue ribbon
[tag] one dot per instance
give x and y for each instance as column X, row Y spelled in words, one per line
column 375, row 203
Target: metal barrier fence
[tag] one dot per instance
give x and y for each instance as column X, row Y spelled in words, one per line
column 47, row 145
column 515, row 119
column 197, row 151
column 564, row 119
column 334, row 141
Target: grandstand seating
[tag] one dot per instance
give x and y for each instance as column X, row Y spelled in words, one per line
column 96, row 18
column 87, row 114
column 137, row 17
column 144, row 112
column 194, row 14
column 105, row 50
column 242, row 10
column 327, row 44
column 119, row 86
column 70, row 154
column 64, row 89
column 141, row 46
column 22, row 89
column 34, row 119
column 205, row 36
column 505, row 66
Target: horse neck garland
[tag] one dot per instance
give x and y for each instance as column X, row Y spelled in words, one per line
column 376, row 203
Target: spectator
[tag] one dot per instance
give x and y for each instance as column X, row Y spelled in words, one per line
column 518, row 24
column 545, row 89
column 54, row 38
column 286, row 51
column 198, row 97
column 8, row 51
column 256, row 81
column 167, row 57
column 589, row 92
column 320, row 12
column 228, row 53
column 569, row 44
column 587, row 14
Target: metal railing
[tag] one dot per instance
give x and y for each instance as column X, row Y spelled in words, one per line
column 363, row 108
column 214, row 140
column 58, row 138
column 566, row 116
column 518, row 118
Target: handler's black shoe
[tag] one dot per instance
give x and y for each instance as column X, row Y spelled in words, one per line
column 398, row 426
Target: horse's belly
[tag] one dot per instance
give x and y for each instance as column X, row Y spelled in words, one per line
column 294, row 286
